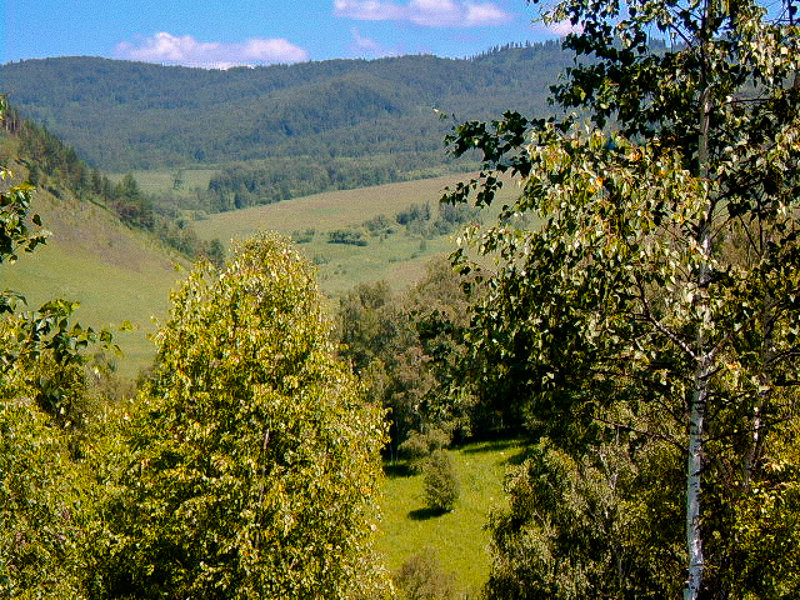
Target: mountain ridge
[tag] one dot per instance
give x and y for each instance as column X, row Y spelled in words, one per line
column 123, row 115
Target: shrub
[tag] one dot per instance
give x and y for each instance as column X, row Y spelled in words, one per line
column 419, row 446
column 349, row 237
column 442, row 487
column 421, row 577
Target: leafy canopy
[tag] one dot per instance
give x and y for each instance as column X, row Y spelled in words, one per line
column 658, row 301
column 256, row 460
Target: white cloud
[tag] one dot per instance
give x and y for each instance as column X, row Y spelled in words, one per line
column 368, row 10
column 563, row 28
column 364, row 46
column 483, row 14
column 426, row 13
column 171, row 49
column 364, row 43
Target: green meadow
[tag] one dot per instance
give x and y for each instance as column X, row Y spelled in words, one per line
column 459, row 536
column 398, row 257
column 163, row 181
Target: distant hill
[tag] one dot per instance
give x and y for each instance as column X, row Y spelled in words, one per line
column 122, row 115
column 116, row 272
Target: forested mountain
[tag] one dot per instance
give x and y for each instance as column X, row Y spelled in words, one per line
column 124, row 115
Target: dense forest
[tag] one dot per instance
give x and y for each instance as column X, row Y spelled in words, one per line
column 633, row 316
column 123, row 116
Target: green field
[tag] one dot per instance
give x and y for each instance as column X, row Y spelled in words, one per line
column 163, row 182
column 399, row 258
column 459, row 536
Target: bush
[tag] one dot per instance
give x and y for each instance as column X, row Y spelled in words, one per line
column 442, row 487
column 350, row 237
column 421, row 578
column 303, row 236
column 419, row 446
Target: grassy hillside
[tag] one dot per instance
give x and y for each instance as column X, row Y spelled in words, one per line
column 116, row 273
column 398, row 257
column 458, row 536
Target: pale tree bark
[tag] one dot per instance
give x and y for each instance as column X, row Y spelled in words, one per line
column 703, row 353
column 694, row 538
column 697, row 413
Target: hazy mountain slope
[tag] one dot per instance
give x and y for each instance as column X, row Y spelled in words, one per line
column 123, row 115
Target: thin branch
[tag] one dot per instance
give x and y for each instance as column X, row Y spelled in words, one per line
column 648, row 316
column 657, row 436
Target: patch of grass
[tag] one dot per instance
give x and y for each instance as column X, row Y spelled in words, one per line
column 162, row 181
column 399, row 258
column 409, row 525
column 115, row 273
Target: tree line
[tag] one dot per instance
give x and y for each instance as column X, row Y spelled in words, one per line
column 265, row 182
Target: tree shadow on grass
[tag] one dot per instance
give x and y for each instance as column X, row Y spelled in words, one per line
column 398, row 469
column 491, row 446
column 518, row 447
column 519, row 457
column 423, row 514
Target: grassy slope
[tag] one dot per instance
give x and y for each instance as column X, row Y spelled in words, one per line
column 162, row 181
column 399, row 259
column 115, row 273
column 118, row 274
column 458, row 536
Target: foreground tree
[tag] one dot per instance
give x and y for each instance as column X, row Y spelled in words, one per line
column 256, row 460
column 43, row 413
column 659, row 299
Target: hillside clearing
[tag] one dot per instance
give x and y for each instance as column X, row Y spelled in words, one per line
column 459, row 536
column 398, row 258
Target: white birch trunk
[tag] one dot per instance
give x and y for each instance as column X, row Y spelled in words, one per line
column 694, row 538
column 705, row 356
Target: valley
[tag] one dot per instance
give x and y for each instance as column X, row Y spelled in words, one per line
column 574, row 378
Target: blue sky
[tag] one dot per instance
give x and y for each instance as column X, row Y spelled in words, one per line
column 223, row 33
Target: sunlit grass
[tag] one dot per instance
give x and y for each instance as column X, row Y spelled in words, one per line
column 163, row 181
column 398, row 258
column 459, row 536
column 115, row 273
column 119, row 274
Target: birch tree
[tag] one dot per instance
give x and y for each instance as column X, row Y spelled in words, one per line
column 659, row 295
